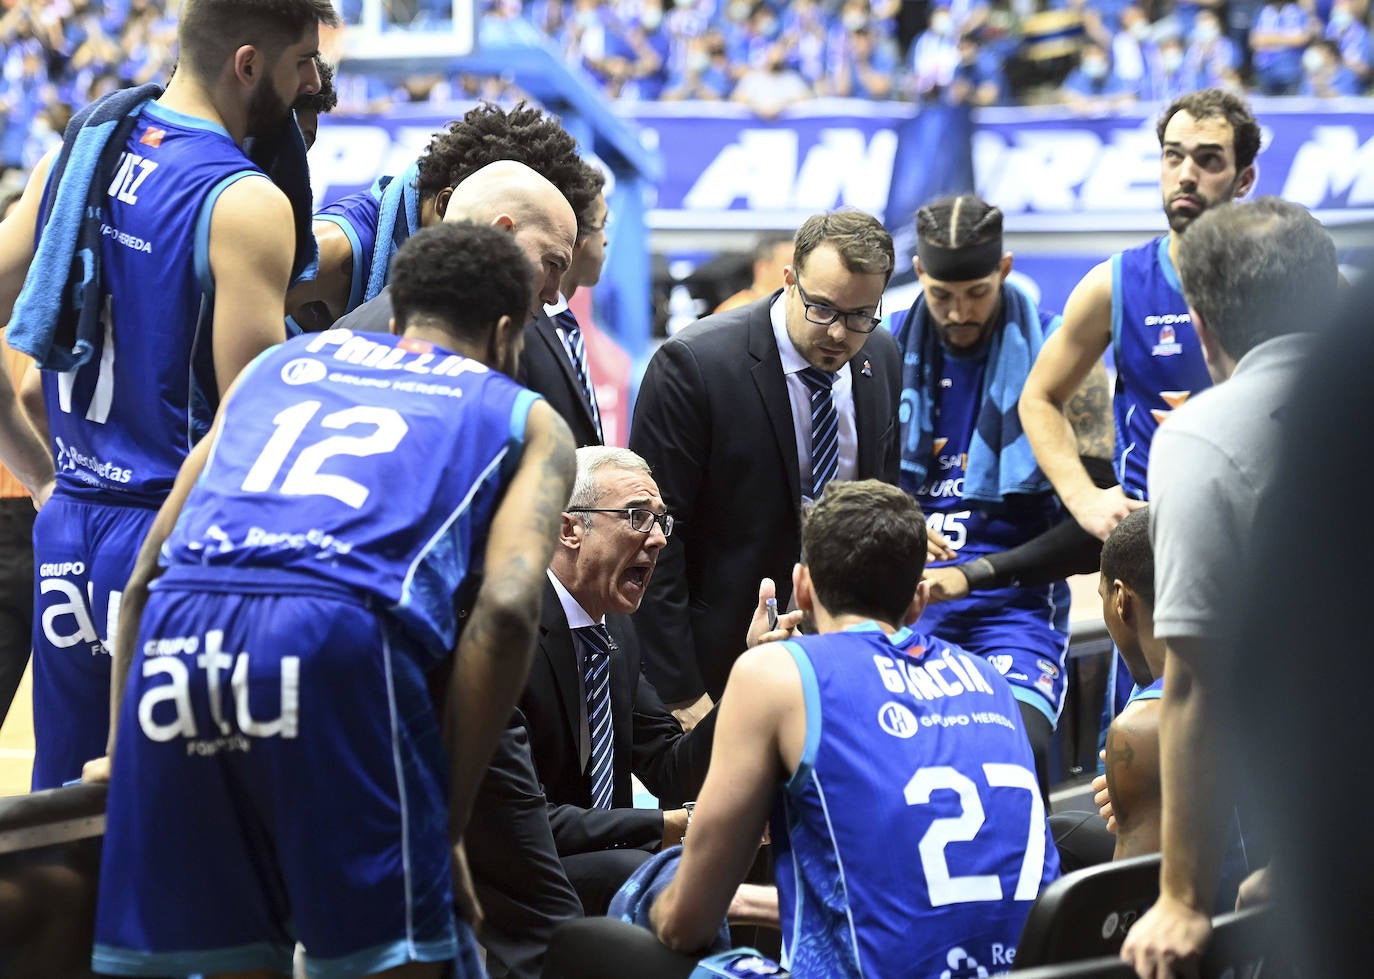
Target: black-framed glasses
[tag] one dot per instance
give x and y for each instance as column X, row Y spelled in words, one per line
column 823, row 315
column 640, row 518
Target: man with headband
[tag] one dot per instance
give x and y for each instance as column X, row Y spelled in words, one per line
column 968, row 344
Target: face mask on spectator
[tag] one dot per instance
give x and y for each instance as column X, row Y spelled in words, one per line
column 1205, row 33
column 1313, row 62
column 1141, row 30
column 738, row 11
column 939, row 25
column 1094, row 68
column 651, row 18
column 1172, row 58
column 854, row 20
column 698, row 60
column 1340, row 18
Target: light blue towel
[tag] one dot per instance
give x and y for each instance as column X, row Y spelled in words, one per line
column 637, row 895
column 398, row 220
column 1000, row 461
column 57, row 315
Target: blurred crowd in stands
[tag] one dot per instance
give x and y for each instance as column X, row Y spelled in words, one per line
column 1092, row 56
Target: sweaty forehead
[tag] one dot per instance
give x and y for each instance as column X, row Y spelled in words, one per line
column 626, row 487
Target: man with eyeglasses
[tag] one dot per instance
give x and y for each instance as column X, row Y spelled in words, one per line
column 593, row 718
column 745, row 415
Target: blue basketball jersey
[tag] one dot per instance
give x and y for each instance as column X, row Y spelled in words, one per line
column 1154, row 691
column 912, row 838
column 363, row 460
column 1159, row 362
column 122, row 423
column 357, row 216
column 972, row 529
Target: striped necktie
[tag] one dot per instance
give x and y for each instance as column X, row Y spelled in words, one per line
column 825, row 429
column 577, row 353
column 596, row 681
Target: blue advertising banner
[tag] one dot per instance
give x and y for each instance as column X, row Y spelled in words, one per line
column 1048, row 169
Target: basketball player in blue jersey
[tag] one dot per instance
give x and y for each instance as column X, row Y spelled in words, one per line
column 1129, row 791
column 279, row 772
column 968, row 342
column 909, row 833
column 1134, row 303
column 196, row 250
column 347, row 230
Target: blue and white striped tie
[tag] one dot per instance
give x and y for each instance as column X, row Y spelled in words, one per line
column 577, row 353
column 825, row 429
column 596, row 680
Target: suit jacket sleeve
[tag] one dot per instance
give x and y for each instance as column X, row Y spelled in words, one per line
column 578, row 830
column 671, row 430
column 672, row 765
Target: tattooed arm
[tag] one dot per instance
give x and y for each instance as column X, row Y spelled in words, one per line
column 1089, row 411
column 1133, row 779
column 493, row 655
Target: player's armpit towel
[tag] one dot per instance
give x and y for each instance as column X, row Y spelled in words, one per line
column 398, row 220
column 637, row 895
column 56, row 318
column 1000, row 461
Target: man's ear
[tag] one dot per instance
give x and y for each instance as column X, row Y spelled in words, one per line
column 1245, row 181
column 1123, row 600
column 441, row 200
column 789, row 276
column 919, row 601
column 1004, row 266
column 802, row 592
column 571, row 530
column 248, row 64
column 391, row 326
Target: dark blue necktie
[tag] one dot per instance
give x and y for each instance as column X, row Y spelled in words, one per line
column 577, row 353
column 825, row 429
column 596, row 680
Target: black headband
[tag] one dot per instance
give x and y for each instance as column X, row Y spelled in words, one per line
column 962, row 264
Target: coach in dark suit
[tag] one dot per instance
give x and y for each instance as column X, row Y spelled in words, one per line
column 593, row 718
column 742, row 416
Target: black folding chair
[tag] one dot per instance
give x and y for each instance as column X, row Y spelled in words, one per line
column 1106, row 967
column 1087, row 913
column 1245, row 945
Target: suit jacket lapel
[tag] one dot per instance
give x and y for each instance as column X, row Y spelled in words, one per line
column 556, row 645
column 547, row 331
column 772, row 388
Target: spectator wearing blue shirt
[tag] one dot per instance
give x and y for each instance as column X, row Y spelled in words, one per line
column 1092, row 88
column 1132, row 47
column 1169, row 76
column 934, row 56
column 864, row 66
column 705, row 74
column 809, row 33
column 1352, row 37
column 1324, row 75
column 979, row 79
column 1211, row 58
column 1281, row 32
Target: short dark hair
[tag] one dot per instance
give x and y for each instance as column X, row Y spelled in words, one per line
column 488, row 133
column 210, row 31
column 1208, row 103
column 461, row 276
column 1128, row 557
column 862, row 241
column 959, row 221
column 865, row 546
column 1256, row 270
column 768, row 244
column 327, row 98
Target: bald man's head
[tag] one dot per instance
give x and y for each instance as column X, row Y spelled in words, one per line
column 515, row 197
